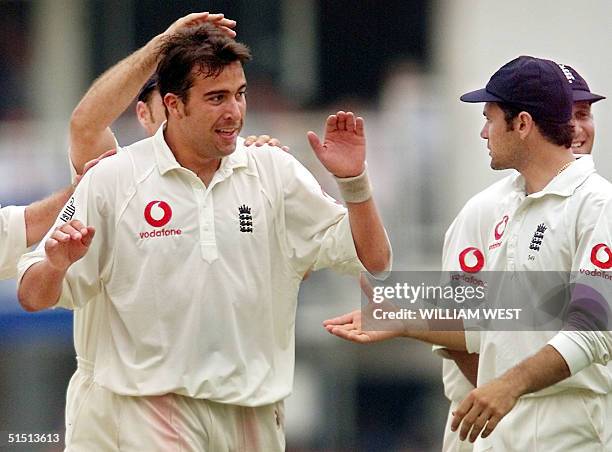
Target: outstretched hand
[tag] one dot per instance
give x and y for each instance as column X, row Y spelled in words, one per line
column 349, row 327
column 68, row 243
column 342, row 151
column 195, row 19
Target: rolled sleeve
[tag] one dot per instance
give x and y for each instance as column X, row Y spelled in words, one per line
column 573, row 354
column 13, row 239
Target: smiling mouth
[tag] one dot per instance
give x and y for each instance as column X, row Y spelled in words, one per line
column 577, row 144
column 226, row 131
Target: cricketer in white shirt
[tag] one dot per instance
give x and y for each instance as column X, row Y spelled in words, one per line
column 200, row 283
column 569, row 207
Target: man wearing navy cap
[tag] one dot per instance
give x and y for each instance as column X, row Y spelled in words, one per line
column 472, row 229
column 528, row 105
column 528, row 108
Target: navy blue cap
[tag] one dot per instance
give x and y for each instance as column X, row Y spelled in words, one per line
column 151, row 84
column 538, row 86
column 580, row 88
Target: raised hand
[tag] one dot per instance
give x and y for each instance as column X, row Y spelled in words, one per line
column 67, row 244
column 195, row 19
column 342, row 151
column 264, row 139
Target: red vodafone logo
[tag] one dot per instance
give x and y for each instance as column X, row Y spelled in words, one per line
column 607, row 264
column 158, row 213
column 477, row 255
column 500, row 227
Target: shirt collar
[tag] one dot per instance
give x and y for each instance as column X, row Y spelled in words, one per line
column 564, row 183
column 166, row 161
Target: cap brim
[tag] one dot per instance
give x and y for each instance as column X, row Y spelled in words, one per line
column 580, row 95
column 480, row 95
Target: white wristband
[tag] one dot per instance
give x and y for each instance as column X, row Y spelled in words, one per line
column 355, row 189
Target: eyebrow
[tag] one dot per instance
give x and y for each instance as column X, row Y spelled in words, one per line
column 223, row 91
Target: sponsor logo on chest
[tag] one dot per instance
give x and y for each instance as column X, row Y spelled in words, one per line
column 498, row 232
column 158, row 214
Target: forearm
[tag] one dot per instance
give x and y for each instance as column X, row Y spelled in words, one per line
column 537, row 372
column 467, row 364
column 452, row 340
column 40, row 215
column 109, row 96
column 369, row 236
column 40, row 287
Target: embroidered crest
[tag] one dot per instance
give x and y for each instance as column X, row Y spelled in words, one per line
column 538, row 237
column 245, row 218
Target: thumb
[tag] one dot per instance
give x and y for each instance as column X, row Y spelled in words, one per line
column 314, row 141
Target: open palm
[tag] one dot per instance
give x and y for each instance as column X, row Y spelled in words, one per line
column 342, row 151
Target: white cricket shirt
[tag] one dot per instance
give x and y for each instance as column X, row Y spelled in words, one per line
column 87, row 319
column 583, row 348
column 13, row 242
column 568, row 207
column 465, row 250
column 199, row 283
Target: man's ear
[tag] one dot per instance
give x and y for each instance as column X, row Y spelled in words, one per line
column 174, row 105
column 524, row 124
column 142, row 113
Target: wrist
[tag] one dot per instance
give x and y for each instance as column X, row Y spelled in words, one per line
column 56, row 270
column 515, row 382
column 355, row 189
column 153, row 48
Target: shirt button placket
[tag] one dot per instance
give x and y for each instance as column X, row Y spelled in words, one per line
column 206, row 221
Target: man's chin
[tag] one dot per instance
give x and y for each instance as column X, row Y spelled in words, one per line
column 498, row 166
column 226, row 147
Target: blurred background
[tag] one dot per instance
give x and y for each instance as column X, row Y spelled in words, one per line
column 401, row 64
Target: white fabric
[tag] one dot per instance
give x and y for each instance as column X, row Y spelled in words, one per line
column 198, row 307
column 12, row 239
column 583, row 348
column 575, row 420
column 469, row 230
column 99, row 420
column 569, row 206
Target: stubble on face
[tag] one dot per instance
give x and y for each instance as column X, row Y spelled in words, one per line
column 500, row 138
column 214, row 111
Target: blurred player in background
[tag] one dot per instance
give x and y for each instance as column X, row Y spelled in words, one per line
column 475, row 228
column 199, row 250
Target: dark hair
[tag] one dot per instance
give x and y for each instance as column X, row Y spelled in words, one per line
column 561, row 134
column 145, row 92
column 204, row 48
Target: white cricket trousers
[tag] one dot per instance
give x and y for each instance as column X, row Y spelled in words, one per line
column 98, row 420
column 571, row 421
